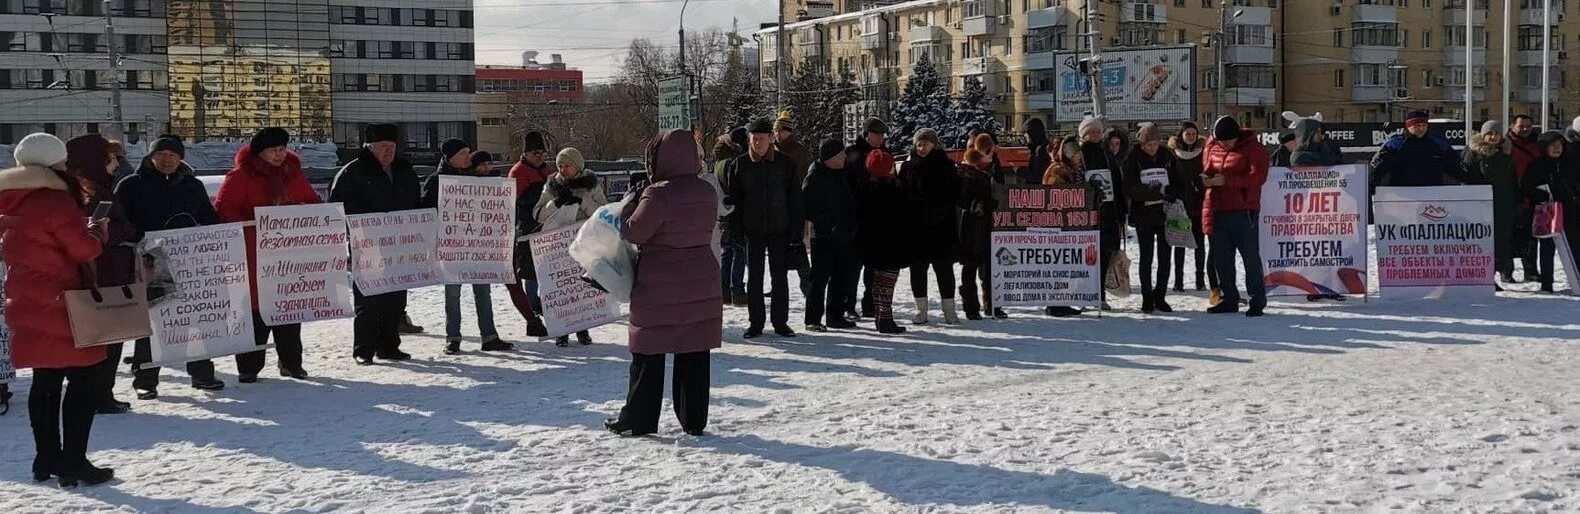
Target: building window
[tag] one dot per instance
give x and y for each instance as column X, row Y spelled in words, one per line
column 1454, row 35
column 1375, row 34
column 1252, row 76
column 1249, row 35
column 1338, row 78
column 1338, row 38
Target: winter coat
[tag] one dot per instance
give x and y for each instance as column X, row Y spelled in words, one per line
column 1244, row 167
column 831, row 205
column 1562, row 180
column 364, row 187
column 116, row 265
column 800, row 157
column 1280, row 157
column 1495, row 164
column 253, row 183
column 766, row 196
column 1060, row 173
column 529, row 189
column 886, row 212
column 1312, row 153
column 1113, row 214
column 676, row 304
column 933, row 185
column 156, row 201
column 724, row 154
column 977, row 204
column 583, row 191
column 1525, row 150
column 45, row 244
column 856, row 163
column 1037, row 141
column 1188, row 158
column 1143, row 213
column 1409, row 161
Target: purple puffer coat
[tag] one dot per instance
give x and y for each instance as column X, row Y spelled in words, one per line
column 676, row 303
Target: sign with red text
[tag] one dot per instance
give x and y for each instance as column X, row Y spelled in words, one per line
column 393, row 251
column 1313, row 230
column 1046, row 248
column 1434, row 242
column 477, row 229
column 569, row 304
column 204, row 308
column 303, row 271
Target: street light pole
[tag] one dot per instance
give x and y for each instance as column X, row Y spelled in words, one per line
column 1470, row 9
column 1547, row 70
column 1095, row 41
column 779, row 61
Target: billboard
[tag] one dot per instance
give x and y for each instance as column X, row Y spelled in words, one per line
column 1144, row 84
column 1366, row 138
column 674, row 102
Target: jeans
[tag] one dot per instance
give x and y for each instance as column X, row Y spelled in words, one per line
column 732, row 269
column 771, row 248
column 482, row 299
column 1237, row 231
column 828, row 282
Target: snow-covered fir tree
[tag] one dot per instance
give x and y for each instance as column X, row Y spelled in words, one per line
column 923, row 104
column 969, row 113
column 817, row 100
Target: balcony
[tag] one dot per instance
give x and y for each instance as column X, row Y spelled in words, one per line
column 870, row 42
column 1373, row 94
column 1247, row 54
column 1453, row 93
column 812, row 49
column 1249, row 96
column 1534, row 94
column 873, row 33
column 1041, row 101
column 1376, row 14
column 1045, row 18
column 980, row 65
column 1455, row 55
column 1142, row 12
column 929, row 33
column 1534, row 57
column 1039, row 60
column 981, row 17
column 1534, row 16
column 1374, row 54
column 1254, row 16
column 874, row 76
column 1456, row 17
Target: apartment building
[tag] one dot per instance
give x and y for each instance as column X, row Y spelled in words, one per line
column 221, row 70
column 505, row 94
column 1353, row 60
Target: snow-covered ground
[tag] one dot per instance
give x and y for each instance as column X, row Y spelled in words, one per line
column 1390, row 405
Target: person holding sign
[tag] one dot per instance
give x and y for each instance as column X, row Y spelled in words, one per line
column 1416, row 158
column 267, row 173
column 569, row 197
column 674, row 306
column 1236, row 168
column 47, row 241
column 1066, row 170
column 1104, row 154
column 378, row 180
column 1154, row 181
column 164, row 194
column 457, row 160
column 769, row 208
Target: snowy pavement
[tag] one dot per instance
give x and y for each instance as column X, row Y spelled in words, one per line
column 1392, row 405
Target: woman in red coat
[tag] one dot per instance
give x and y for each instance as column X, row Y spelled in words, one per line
column 46, row 242
column 266, row 174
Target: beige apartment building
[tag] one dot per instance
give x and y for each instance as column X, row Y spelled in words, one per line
column 1352, row 60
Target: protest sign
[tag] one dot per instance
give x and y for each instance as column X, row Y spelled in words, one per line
column 1155, row 176
column 7, row 371
column 1046, row 249
column 200, row 301
column 1313, row 230
column 393, row 251
column 1566, row 258
column 569, row 304
column 1103, row 180
column 477, row 229
column 302, row 269
column 1434, row 241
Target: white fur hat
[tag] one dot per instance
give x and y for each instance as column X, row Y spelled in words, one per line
column 1575, row 125
column 40, row 149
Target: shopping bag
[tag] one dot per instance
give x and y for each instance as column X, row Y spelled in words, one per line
column 1549, row 220
column 1117, row 281
column 1177, row 229
column 107, row 315
column 609, row 260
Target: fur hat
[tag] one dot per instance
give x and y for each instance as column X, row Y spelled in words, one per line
column 40, row 149
column 784, row 122
column 380, row 132
column 1089, row 124
column 480, row 158
column 570, row 156
column 168, row 143
column 268, row 138
column 740, row 137
column 925, row 134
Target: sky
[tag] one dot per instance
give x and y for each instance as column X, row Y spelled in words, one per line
column 593, row 34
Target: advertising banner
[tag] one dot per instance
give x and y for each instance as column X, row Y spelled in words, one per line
column 303, row 273
column 569, row 304
column 1045, row 248
column 1143, row 84
column 394, row 251
column 1313, row 230
column 200, row 294
column 477, row 229
column 1434, row 242
column 674, row 102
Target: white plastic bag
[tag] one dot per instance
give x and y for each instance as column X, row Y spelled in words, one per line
column 559, row 217
column 602, row 250
column 1178, row 230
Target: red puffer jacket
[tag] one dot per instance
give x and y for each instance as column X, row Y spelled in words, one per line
column 45, row 242
column 1244, row 168
column 254, row 183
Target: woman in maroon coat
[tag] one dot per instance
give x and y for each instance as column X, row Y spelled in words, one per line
column 46, row 242
column 89, row 158
column 675, row 303
column 266, row 174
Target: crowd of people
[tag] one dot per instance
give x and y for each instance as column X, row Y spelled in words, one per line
column 842, row 216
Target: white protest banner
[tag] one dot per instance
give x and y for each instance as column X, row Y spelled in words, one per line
column 1313, row 230
column 1566, row 256
column 1045, row 249
column 1103, row 180
column 7, row 371
column 394, row 251
column 477, row 234
column 1157, row 176
column 569, row 304
column 205, row 309
column 303, row 273
column 1434, row 241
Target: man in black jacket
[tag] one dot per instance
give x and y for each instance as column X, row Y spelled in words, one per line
column 873, row 134
column 162, row 195
column 1416, row 158
column 831, row 218
column 768, row 208
column 377, row 181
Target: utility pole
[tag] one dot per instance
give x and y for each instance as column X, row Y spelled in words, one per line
column 779, row 61
column 1508, row 59
column 1094, row 35
column 1547, row 69
column 1470, row 11
column 117, row 123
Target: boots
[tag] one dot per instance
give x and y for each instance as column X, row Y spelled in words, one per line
column 407, row 327
column 583, row 338
column 1200, row 285
column 950, row 316
column 922, row 305
column 495, row 344
column 888, row 326
column 1255, row 309
column 973, row 305
column 452, row 347
column 1146, row 303
column 535, row 327
column 1158, row 301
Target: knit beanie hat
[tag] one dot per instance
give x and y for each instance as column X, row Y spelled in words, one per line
column 40, row 149
column 1089, row 124
column 570, row 156
column 533, row 142
column 480, row 158
column 829, row 149
column 740, row 137
column 1494, row 127
column 1226, row 128
column 784, row 122
column 925, row 134
column 168, row 143
column 268, row 138
column 380, row 133
column 1148, row 132
column 452, row 146
column 880, row 164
